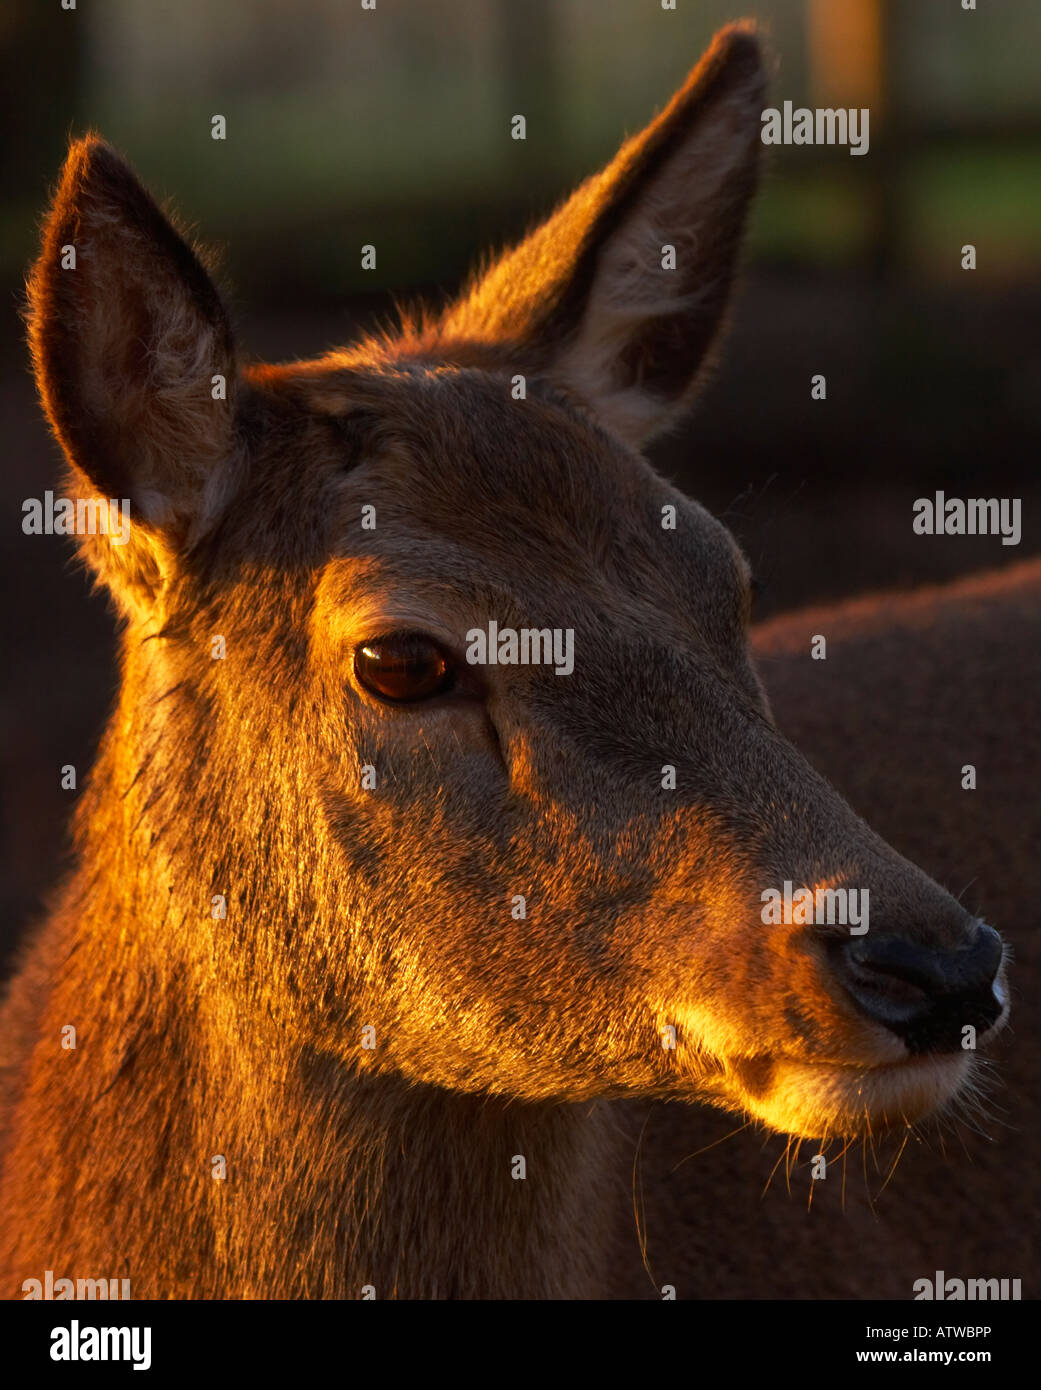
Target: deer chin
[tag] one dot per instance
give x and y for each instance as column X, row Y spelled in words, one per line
column 815, row 1099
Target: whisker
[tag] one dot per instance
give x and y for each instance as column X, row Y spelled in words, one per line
column 697, row 1152
column 899, row 1154
column 638, row 1203
column 773, row 1170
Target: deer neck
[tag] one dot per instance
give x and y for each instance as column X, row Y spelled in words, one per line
column 285, row 1171
column 366, row 1186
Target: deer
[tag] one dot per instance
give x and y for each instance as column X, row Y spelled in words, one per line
column 369, row 951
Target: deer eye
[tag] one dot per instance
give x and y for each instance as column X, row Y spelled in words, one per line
column 403, row 667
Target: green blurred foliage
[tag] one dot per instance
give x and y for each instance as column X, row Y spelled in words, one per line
column 392, row 126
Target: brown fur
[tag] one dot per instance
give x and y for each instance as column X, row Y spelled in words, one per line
column 351, row 908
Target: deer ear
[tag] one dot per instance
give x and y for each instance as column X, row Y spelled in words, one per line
column 620, row 294
column 134, row 362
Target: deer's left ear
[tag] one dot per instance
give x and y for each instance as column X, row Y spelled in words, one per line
column 620, row 294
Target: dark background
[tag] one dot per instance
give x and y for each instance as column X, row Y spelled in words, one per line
column 392, row 127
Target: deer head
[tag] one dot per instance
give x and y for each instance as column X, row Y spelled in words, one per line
column 523, row 880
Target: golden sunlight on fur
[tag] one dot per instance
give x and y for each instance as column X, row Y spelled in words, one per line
column 357, row 922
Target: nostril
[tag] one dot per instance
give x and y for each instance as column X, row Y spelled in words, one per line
column 925, row 994
column 927, row 968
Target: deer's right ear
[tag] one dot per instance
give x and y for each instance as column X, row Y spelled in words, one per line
column 134, row 363
column 620, row 294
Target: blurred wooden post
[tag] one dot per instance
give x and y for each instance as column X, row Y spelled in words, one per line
column 849, row 43
column 845, row 49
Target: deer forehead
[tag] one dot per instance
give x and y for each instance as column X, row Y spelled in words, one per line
column 454, row 501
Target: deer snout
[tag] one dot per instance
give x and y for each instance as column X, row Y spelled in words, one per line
column 927, row 995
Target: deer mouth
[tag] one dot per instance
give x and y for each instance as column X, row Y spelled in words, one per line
column 814, row 1099
column 925, row 1007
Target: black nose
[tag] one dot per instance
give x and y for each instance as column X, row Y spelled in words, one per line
column 923, row 994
